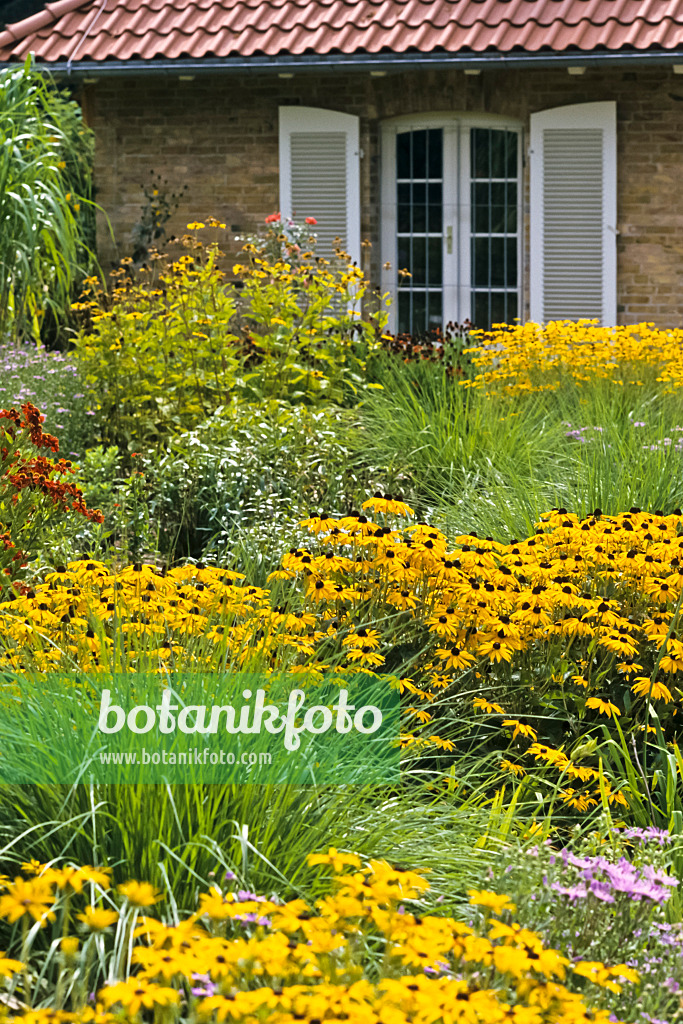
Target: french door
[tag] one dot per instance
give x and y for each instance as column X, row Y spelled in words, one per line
column 451, row 221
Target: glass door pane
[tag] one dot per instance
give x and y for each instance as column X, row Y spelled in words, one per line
column 419, row 224
column 494, row 191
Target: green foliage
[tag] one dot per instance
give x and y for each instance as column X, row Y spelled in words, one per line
column 238, row 485
column 233, row 489
column 162, row 357
column 475, row 461
column 653, row 770
column 177, row 343
column 309, row 323
column 77, row 155
column 174, row 836
column 45, row 185
column 128, row 532
column 149, row 231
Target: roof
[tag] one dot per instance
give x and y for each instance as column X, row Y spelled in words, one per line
column 148, row 30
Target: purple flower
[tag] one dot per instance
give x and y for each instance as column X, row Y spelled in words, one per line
column 207, row 987
column 244, row 896
column 253, row 918
column 574, row 892
column 577, row 435
column 601, row 891
column 441, row 966
column 603, row 879
column 651, row 834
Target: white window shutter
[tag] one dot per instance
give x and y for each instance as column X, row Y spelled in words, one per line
column 320, row 174
column 573, row 213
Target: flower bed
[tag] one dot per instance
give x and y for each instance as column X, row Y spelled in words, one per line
column 528, row 357
column 549, row 640
column 367, row 951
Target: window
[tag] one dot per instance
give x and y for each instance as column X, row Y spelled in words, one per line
column 451, row 209
column 451, row 219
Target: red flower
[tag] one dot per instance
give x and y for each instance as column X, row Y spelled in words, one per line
column 272, row 218
column 31, row 421
column 311, row 220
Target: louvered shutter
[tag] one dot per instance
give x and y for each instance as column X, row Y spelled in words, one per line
column 320, row 174
column 573, row 212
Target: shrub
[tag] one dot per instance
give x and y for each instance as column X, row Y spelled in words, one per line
column 160, row 357
column 178, row 343
column 445, row 348
column 309, row 323
column 238, row 485
column 128, row 531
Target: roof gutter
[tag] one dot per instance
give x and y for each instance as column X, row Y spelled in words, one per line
column 384, row 62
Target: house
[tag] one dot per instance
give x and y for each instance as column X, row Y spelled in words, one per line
column 520, row 158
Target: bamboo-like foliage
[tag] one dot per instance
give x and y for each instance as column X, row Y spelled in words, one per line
column 44, row 149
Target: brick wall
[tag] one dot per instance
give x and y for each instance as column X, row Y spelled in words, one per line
column 218, row 134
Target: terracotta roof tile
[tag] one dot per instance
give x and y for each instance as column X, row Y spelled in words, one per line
column 98, row 30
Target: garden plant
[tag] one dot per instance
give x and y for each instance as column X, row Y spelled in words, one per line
column 242, row 472
column 45, row 203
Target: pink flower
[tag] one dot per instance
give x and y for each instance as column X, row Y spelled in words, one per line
column 272, row 218
column 311, row 220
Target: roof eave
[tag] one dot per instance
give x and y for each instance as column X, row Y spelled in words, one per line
column 389, row 62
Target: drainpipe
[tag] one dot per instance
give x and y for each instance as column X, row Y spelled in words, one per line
column 84, row 36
